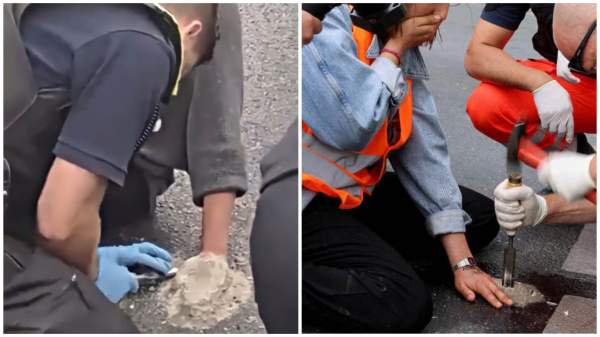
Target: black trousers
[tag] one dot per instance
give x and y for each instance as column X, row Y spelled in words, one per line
column 44, row 295
column 357, row 273
column 274, row 251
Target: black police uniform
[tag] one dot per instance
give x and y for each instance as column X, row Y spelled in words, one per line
column 274, row 237
column 199, row 134
column 81, row 87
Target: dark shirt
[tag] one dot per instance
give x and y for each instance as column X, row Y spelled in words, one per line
column 116, row 68
column 510, row 16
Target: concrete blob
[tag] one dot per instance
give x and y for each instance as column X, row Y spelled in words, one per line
column 522, row 294
column 204, row 291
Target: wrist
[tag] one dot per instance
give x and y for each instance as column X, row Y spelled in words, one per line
column 456, row 247
column 391, row 55
column 217, row 248
column 542, row 209
column 539, row 82
column 466, row 263
column 395, row 46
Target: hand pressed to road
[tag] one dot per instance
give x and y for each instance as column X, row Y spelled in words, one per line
column 469, row 281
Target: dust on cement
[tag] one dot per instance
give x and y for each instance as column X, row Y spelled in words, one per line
column 521, row 294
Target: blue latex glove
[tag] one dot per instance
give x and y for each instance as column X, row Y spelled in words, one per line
column 115, row 280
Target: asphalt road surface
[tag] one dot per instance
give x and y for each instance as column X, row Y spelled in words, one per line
column 479, row 163
column 270, row 105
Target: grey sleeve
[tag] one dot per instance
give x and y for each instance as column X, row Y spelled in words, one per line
column 215, row 153
column 423, row 167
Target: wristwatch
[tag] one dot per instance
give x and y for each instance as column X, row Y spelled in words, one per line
column 467, row 262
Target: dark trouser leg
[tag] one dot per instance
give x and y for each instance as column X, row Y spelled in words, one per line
column 128, row 212
column 391, row 213
column 44, row 295
column 352, row 280
column 274, row 252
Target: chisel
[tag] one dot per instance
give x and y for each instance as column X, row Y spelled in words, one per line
column 515, row 179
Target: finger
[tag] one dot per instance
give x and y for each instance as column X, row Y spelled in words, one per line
column 306, row 36
column 552, row 127
column 513, row 194
column 425, row 31
column 489, row 296
column 560, row 135
column 510, row 225
column 427, row 20
column 153, row 250
column 571, row 78
column 510, row 208
column 134, row 285
column 570, row 130
column 508, row 217
column 467, row 293
column 499, row 293
column 152, row 262
column 317, row 26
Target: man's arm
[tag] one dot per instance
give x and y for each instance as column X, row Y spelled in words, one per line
column 438, row 196
column 67, row 213
column 562, row 212
column 98, row 138
column 216, row 220
column 486, row 60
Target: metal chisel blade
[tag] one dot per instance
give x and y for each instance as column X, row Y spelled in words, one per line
column 509, row 264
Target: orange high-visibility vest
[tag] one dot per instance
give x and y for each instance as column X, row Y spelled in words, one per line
column 399, row 126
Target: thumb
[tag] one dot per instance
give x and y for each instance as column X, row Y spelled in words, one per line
column 134, row 285
column 570, row 130
column 569, row 77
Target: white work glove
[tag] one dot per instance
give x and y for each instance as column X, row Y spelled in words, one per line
column 563, row 71
column 568, row 174
column 555, row 110
column 518, row 207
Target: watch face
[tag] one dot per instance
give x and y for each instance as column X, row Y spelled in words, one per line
column 471, row 261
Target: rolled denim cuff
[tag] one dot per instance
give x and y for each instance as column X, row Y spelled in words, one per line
column 446, row 222
column 390, row 75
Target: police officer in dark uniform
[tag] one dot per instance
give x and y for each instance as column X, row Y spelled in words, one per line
column 274, row 237
column 199, row 133
column 82, row 93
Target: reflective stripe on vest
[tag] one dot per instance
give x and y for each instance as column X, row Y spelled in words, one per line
column 348, row 175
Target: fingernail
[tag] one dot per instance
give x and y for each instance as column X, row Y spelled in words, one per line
column 437, row 17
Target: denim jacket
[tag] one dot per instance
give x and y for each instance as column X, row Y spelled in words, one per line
column 345, row 102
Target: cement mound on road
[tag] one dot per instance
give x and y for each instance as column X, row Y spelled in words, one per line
column 204, row 292
column 522, row 294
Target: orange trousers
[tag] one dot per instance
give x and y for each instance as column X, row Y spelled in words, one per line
column 495, row 109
